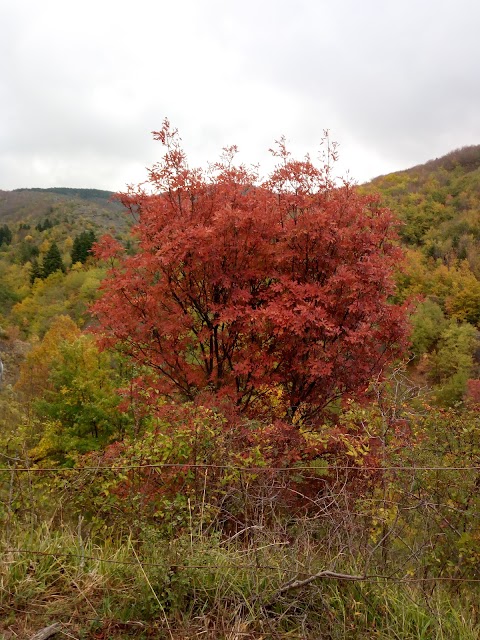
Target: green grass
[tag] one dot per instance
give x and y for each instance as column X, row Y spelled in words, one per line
column 200, row 584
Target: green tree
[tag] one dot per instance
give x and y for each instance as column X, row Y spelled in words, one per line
column 36, row 271
column 77, row 402
column 5, row 235
column 52, row 261
column 451, row 364
column 464, row 301
column 47, row 224
column 27, row 252
column 428, row 322
column 82, row 246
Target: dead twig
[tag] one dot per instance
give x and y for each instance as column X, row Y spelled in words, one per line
column 296, row 584
column 47, row 632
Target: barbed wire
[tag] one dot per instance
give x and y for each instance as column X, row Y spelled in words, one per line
column 226, row 467
column 230, row 565
column 153, row 565
column 254, row 469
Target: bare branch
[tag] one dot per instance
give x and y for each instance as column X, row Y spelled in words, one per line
column 47, row 632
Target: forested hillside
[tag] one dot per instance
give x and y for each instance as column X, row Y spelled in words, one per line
column 439, row 206
column 45, row 263
column 90, row 206
column 241, row 408
column 438, row 203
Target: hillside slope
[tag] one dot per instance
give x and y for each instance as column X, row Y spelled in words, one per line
column 76, row 207
column 439, row 204
column 34, row 222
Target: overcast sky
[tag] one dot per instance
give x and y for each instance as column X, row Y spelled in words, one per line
column 83, row 84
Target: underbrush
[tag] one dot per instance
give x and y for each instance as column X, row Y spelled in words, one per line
column 201, row 584
column 175, row 535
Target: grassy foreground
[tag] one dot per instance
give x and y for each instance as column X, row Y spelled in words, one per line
column 201, row 586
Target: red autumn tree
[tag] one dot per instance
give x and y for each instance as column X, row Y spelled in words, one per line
column 240, row 286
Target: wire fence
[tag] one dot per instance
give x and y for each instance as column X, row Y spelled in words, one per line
column 250, row 567
column 228, row 467
column 393, row 523
column 266, row 542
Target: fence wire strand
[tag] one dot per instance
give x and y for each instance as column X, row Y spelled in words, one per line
column 210, row 567
column 225, row 467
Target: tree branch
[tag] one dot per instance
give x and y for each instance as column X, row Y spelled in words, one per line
column 47, row 632
column 296, row 584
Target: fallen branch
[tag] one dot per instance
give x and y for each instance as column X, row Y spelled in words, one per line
column 47, row 632
column 296, row 584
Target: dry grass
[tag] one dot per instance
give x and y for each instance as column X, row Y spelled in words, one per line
column 201, row 585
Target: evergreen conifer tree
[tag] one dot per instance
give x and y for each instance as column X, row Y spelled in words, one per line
column 52, row 261
column 36, row 271
column 82, row 246
column 5, row 235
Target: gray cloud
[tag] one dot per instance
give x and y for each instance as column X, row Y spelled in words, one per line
column 82, row 87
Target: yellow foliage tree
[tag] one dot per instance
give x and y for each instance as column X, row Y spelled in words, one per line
column 34, row 372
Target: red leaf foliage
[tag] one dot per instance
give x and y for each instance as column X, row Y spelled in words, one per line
column 472, row 395
column 241, row 286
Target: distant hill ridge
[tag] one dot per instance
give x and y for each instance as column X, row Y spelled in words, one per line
column 467, row 157
column 433, row 200
column 86, row 194
column 464, row 158
column 439, row 205
column 80, row 207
